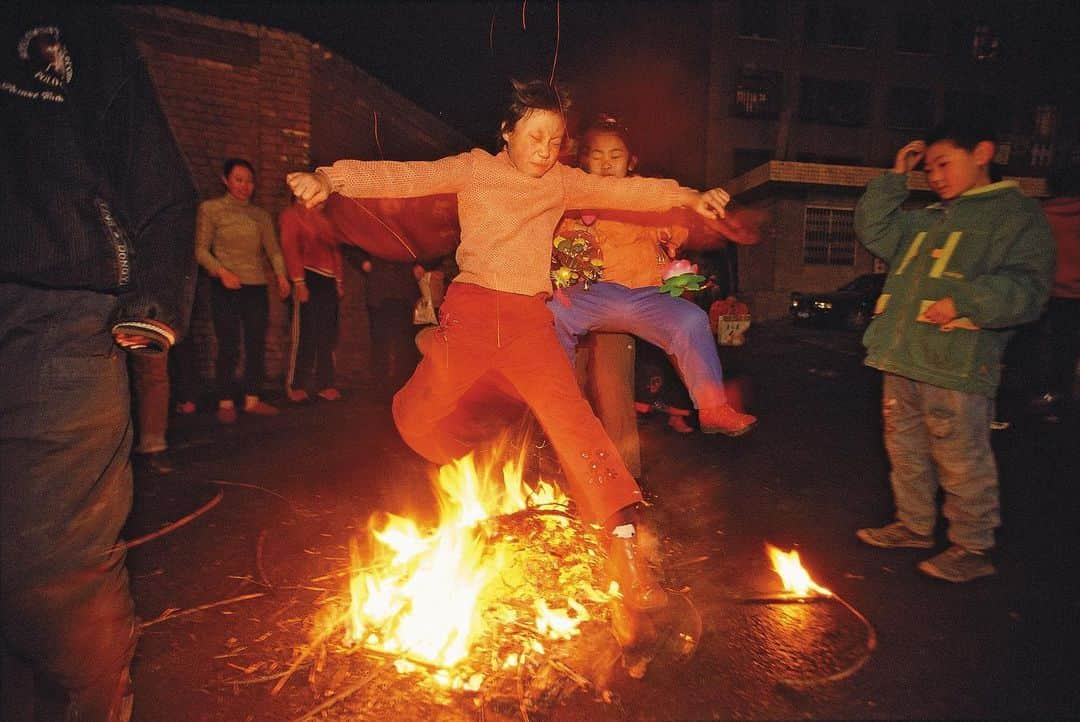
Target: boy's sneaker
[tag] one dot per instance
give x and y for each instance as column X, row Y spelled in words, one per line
column 957, row 564
column 895, row 536
column 725, row 420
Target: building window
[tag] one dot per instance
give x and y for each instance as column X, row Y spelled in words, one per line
column 837, row 24
column 985, row 43
column 836, row 102
column 829, row 236
column 914, row 32
column 964, row 104
column 745, row 160
column 758, row 19
column 910, row 109
column 758, row 93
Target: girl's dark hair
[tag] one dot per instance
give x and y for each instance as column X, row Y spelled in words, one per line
column 607, row 123
column 231, row 163
column 527, row 96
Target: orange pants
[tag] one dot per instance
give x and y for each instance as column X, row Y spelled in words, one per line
column 483, row 331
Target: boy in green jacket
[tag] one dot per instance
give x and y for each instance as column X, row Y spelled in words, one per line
column 962, row 274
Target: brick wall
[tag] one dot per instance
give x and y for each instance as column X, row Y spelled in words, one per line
column 284, row 103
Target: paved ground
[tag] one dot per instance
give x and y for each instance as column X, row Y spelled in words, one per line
column 296, row 487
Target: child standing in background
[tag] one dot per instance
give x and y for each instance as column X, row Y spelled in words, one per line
column 962, row 274
column 627, row 296
column 312, row 254
column 495, row 316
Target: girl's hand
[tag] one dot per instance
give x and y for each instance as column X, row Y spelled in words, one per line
column 311, row 188
column 909, row 157
column 711, row 203
column 229, row 279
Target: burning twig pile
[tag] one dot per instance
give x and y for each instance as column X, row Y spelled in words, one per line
column 500, row 606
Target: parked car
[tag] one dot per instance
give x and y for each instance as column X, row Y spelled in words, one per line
column 851, row 306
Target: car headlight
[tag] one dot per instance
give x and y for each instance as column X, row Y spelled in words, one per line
column 823, row 305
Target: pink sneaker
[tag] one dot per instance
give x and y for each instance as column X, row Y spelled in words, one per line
column 185, row 407
column 297, row 395
column 330, row 394
column 725, row 420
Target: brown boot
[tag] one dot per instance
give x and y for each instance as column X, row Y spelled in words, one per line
column 627, row 565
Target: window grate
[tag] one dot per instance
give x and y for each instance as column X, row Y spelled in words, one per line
column 829, row 236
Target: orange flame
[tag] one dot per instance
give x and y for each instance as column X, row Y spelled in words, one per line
column 794, row 577
column 421, row 599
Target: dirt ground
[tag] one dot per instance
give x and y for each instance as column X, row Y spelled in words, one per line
column 295, row 488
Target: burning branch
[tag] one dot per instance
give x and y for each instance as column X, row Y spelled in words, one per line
column 800, row 588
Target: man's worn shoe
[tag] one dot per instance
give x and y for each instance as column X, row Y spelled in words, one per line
column 895, row 536
column 957, row 564
column 627, row 565
column 725, row 420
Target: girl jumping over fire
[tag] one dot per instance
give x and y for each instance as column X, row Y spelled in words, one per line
column 494, row 317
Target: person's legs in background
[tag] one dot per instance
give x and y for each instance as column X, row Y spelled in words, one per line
column 605, row 368
column 150, row 386
column 255, row 315
column 225, row 306
column 324, row 297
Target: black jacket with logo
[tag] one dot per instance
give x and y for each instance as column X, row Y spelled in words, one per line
column 95, row 193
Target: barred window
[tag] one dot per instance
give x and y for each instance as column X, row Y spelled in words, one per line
column 829, row 236
column 758, row 93
column 836, row 102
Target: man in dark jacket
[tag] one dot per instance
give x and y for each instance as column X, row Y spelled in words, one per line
column 96, row 260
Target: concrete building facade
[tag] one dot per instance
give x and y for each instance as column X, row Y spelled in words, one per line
column 809, row 99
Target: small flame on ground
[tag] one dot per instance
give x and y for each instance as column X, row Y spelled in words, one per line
column 794, row 577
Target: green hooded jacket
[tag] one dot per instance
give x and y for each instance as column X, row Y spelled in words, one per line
column 990, row 250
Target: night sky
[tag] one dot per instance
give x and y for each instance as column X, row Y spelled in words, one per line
column 453, row 58
column 645, row 61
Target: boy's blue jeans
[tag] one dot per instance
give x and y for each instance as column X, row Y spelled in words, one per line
column 65, row 436
column 676, row 325
column 936, row 437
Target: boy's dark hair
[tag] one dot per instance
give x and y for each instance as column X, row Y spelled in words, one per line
column 967, row 131
column 231, row 163
column 529, row 95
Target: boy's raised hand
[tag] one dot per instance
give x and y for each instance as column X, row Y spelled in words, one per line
column 909, row 157
column 711, row 203
column 311, row 188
